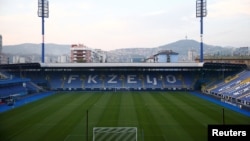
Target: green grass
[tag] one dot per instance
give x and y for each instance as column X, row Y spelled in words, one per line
column 158, row 116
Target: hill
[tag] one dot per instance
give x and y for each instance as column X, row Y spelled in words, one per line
column 181, row 46
column 124, row 54
column 30, row 48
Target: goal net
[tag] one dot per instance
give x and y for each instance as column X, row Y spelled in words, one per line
column 115, row 133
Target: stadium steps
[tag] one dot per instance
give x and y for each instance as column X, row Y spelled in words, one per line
column 83, row 86
column 242, row 96
column 230, row 90
column 123, row 83
column 180, row 77
column 143, row 84
column 196, row 78
column 36, row 87
column 211, row 88
column 83, row 77
column 231, row 78
column 245, row 81
column 226, row 81
column 62, row 85
column 161, row 79
column 3, row 76
column 163, row 83
column 241, row 84
column 183, row 85
column 141, row 78
column 212, row 83
column 102, row 78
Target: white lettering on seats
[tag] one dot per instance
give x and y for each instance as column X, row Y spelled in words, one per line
column 148, row 79
column 153, row 81
column 171, row 78
column 131, row 79
column 72, row 77
column 112, row 79
column 92, row 79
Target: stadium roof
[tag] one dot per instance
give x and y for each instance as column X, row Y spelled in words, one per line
column 120, row 65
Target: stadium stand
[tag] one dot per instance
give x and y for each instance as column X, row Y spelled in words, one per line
column 233, row 89
column 128, row 80
column 228, row 82
column 13, row 88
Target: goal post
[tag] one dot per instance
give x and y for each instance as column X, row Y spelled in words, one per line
column 115, row 133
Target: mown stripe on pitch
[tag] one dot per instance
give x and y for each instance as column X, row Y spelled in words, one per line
column 97, row 110
column 188, row 122
column 111, row 111
column 196, row 108
column 28, row 109
column 39, row 129
column 18, row 124
column 215, row 111
column 211, row 110
column 147, row 123
column 170, row 127
column 94, row 115
column 127, row 115
column 110, row 116
column 65, row 126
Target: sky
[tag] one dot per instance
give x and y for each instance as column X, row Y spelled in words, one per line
column 114, row 24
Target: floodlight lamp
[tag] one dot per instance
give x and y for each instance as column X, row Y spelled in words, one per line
column 43, row 8
column 201, row 8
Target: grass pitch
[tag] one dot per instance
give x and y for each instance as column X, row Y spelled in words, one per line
column 158, row 116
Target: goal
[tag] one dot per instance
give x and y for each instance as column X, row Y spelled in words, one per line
column 115, row 133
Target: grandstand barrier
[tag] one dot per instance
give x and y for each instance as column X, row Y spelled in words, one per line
column 124, row 89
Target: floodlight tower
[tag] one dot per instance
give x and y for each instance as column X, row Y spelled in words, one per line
column 43, row 12
column 201, row 11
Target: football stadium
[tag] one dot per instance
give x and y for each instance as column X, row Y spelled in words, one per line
column 139, row 101
column 121, row 101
